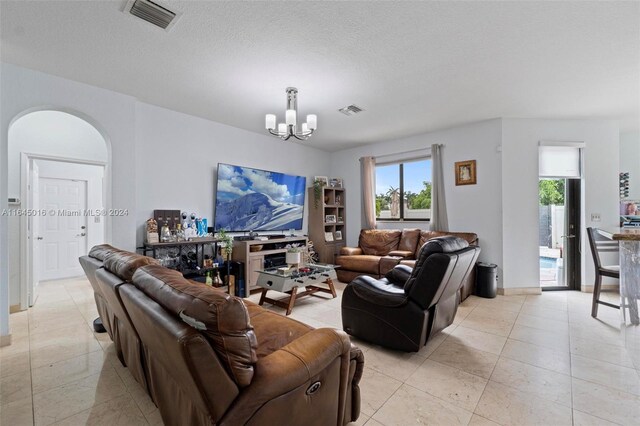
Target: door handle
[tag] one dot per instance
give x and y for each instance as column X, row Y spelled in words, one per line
column 39, row 238
column 568, row 236
column 81, row 235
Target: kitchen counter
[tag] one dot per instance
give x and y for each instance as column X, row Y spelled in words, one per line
column 621, row 234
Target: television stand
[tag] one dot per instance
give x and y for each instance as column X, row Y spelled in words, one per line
column 253, row 253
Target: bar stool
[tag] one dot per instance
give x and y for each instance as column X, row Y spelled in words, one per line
column 600, row 244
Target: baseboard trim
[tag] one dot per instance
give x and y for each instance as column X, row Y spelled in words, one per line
column 5, row 340
column 605, row 287
column 14, row 308
column 517, row 291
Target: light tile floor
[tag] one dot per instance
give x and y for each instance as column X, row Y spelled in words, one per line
column 515, row 360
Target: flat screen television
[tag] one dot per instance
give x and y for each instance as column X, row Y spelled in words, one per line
column 258, row 200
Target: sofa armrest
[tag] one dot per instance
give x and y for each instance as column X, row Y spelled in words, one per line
column 298, row 364
column 378, row 292
column 350, row 251
column 405, row 254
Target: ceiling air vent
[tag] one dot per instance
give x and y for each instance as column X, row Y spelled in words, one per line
column 153, row 13
column 351, row 110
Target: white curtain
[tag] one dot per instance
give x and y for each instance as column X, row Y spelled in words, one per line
column 368, row 179
column 439, row 221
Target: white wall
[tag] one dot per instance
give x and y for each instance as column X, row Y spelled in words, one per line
column 177, row 157
column 630, row 161
column 472, row 208
column 58, row 134
column 23, row 90
column 520, row 138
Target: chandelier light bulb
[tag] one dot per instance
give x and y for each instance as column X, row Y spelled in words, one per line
column 282, row 128
column 312, row 121
column 291, row 117
column 270, row 121
column 305, row 128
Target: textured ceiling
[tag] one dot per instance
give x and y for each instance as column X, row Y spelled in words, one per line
column 413, row 66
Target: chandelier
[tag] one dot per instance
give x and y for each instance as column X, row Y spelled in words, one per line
column 289, row 128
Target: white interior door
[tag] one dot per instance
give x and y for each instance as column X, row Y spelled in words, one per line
column 64, row 234
column 34, row 225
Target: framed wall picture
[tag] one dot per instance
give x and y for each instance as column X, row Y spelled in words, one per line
column 330, row 218
column 465, row 172
column 338, row 235
column 323, row 179
column 335, row 182
column 328, row 236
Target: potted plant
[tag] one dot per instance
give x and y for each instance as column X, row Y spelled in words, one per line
column 293, row 254
column 317, row 191
column 226, row 241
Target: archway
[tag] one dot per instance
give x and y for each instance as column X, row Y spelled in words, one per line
column 75, row 154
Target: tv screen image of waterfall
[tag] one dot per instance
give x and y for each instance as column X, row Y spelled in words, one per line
column 250, row 199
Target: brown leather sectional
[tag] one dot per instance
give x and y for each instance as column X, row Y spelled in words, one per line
column 380, row 250
column 206, row 357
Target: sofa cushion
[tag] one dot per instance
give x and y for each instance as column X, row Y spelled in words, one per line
column 101, row 251
column 425, row 236
column 401, row 253
column 409, row 240
column 361, row 263
column 273, row 331
column 124, row 264
column 223, row 319
column 379, row 242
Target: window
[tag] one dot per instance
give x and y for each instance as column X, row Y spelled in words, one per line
column 403, row 190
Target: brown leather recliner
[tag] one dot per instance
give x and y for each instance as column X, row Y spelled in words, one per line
column 90, row 264
column 380, row 250
column 404, row 309
column 118, row 268
column 216, row 359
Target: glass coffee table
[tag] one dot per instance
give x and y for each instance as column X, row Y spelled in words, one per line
column 314, row 278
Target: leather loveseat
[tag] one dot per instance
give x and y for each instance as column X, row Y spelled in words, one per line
column 410, row 305
column 206, row 357
column 380, row 250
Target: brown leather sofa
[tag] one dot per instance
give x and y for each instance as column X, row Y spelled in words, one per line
column 410, row 305
column 380, row 250
column 206, row 357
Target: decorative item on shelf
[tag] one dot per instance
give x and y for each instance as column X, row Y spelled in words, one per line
column 624, row 185
column 330, row 218
column 209, row 279
column 328, row 236
column 318, row 183
column 152, row 231
column 256, row 247
column 165, row 233
column 217, row 281
column 208, row 261
column 465, row 172
column 338, row 199
column 335, row 183
column 289, row 128
column 179, row 232
column 311, row 254
column 340, row 219
column 338, row 235
column 293, row 256
column 190, row 232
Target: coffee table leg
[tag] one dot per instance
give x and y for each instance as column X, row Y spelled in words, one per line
column 262, row 296
column 292, row 300
column 331, row 287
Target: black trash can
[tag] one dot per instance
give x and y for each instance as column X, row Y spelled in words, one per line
column 486, row 280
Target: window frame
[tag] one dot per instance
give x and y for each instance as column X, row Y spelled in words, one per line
column 401, row 163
